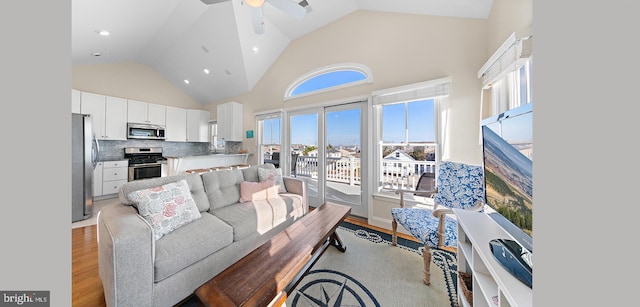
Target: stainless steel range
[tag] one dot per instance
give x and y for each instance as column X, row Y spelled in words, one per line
column 144, row 162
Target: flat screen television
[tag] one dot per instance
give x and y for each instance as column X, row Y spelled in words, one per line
column 507, row 146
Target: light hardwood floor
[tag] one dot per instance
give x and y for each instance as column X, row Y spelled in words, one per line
column 86, row 285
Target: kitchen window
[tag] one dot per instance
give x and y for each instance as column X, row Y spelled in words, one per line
column 216, row 145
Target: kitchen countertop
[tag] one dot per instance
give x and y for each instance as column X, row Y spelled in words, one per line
column 179, row 165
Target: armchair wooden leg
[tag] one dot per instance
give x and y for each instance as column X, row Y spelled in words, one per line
column 426, row 256
column 394, row 234
column 441, row 231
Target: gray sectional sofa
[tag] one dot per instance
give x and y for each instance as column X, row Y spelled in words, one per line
column 138, row 270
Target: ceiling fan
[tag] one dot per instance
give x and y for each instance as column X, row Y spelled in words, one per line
column 297, row 10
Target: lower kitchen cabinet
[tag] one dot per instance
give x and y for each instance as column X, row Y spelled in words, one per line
column 114, row 175
column 97, row 180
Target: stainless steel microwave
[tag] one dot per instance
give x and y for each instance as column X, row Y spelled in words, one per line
column 145, row 131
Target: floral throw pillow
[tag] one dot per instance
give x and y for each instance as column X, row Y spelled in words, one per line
column 167, row 207
column 275, row 174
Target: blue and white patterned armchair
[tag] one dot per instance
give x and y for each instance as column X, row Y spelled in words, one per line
column 458, row 185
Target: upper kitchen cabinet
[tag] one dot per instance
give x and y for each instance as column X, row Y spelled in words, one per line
column 176, row 128
column 108, row 115
column 198, row 125
column 75, row 101
column 115, row 119
column 230, row 121
column 146, row 113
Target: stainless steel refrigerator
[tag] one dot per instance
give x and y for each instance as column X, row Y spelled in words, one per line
column 84, row 153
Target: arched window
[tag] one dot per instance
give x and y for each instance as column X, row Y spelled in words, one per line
column 329, row 78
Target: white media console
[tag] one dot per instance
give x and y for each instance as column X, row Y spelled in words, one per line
column 490, row 279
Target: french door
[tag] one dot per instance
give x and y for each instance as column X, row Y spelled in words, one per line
column 327, row 144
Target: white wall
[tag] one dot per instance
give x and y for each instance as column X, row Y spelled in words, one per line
column 506, row 17
column 399, row 49
column 130, row 80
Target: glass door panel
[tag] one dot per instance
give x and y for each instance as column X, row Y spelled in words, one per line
column 304, row 134
column 343, row 145
column 326, row 144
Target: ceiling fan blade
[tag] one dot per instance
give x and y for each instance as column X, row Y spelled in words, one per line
column 291, row 8
column 213, row 1
column 257, row 20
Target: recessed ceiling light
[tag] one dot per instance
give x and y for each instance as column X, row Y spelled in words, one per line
column 186, row 81
column 206, row 71
column 103, row 32
column 96, row 54
column 255, row 49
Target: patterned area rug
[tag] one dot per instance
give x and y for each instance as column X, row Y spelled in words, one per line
column 372, row 272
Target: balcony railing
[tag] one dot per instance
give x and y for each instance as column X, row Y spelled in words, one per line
column 346, row 170
column 404, row 174
column 396, row 174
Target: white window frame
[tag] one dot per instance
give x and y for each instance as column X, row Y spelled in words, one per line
column 501, row 76
column 438, row 90
column 214, row 145
column 260, row 132
column 366, row 71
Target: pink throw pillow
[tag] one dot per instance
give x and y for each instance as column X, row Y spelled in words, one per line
column 251, row 191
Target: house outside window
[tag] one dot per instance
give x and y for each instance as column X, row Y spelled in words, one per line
column 408, row 130
column 408, row 139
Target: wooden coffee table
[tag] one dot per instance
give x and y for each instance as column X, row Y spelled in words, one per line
column 268, row 274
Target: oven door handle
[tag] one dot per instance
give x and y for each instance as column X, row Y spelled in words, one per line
column 146, row 165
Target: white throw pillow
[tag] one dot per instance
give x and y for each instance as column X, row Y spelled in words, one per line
column 167, row 207
column 272, row 174
column 252, row 191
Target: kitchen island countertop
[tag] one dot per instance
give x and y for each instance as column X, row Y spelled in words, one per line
column 179, row 165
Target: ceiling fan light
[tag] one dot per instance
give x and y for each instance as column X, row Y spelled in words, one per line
column 254, row 3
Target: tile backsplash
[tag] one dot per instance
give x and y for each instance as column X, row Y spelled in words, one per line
column 114, row 150
column 231, row 147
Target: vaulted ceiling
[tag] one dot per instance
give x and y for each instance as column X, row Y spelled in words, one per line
column 182, row 38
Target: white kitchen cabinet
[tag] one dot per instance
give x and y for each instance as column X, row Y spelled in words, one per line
column 94, row 105
column 198, row 125
column 114, row 175
column 75, row 101
column 145, row 113
column 157, row 114
column 176, row 124
column 230, row 121
column 164, row 170
column 108, row 115
column 115, row 123
column 97, row 180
